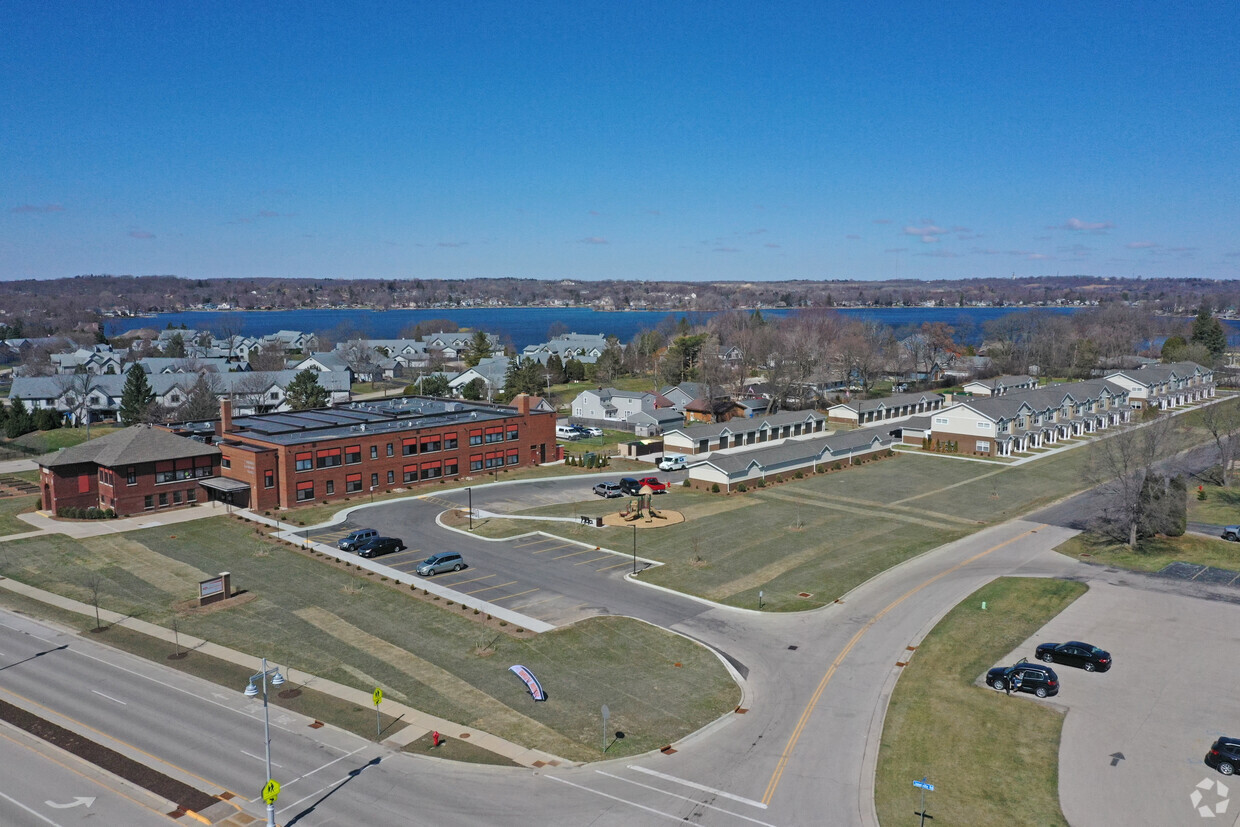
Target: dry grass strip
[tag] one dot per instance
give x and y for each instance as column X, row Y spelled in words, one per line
column 709, row 509
column 969, row 481
column 491, row 714
column 864, row 512
column 164, row 573
column 818, row 495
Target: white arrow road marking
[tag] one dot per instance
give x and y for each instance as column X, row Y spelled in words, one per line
column 80, row 800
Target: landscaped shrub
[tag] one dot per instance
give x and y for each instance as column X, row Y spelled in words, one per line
column 93, row 513
column 684, row 484
column 761, row 483
column 741, row 488
column 837, row 466
column 714, row 488
column 779, row 478
column 799, row 475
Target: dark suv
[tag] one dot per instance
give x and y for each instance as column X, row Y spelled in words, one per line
column 1224, row 755
column 380, row 545
column 355, row 538
column 630, row 487
column 1024, row 677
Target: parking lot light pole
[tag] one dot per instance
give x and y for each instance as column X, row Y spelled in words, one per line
column 470, row 492
column 634, row 549
column 251, row 691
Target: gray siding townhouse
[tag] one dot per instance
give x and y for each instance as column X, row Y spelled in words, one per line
column 737, row 432
column 897, row 406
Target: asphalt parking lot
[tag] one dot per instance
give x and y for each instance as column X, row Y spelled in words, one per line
column 1170, row 693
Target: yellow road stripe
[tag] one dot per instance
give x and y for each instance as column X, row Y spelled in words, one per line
column 525, row 606
column 488, row 588
column 593, row 560
column 616, row 566
column 510, row 596
column 553, row 548
column 475, row 580
column 822, row 685
column 574, row 554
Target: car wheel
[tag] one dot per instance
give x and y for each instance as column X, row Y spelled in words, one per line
column 1048, row 657
column 1229, row 536
column 1226, row 768
column 998, row 684
column 457, row 567
column 1040, row 691
column 1089, row 667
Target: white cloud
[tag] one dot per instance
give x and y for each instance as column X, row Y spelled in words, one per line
column 1140, row 245
column 1077, row 225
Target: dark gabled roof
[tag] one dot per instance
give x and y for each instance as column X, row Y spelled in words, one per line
column 138, row 444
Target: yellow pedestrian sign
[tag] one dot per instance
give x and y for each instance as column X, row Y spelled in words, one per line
column 378, row 695
column 272, row 791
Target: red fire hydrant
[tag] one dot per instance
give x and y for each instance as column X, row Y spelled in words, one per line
column 435, row 737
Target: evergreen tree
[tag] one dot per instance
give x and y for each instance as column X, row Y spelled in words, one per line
column 474, row 389
column 479, row 348
column 305, row 392
column 574, row 371
column 46, row 419
column 1208, row 331
column 555, row 367
column 202, row 402
column 18, row 421
column 1173, row 349
column 611, row 363
column 176, row 347
column 136, row 397
column 434, row 385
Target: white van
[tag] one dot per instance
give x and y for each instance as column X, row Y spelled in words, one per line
column 673, row 462
column 566, row 432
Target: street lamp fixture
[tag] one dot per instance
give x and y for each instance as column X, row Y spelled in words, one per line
column 252, row 690
column 470, row 492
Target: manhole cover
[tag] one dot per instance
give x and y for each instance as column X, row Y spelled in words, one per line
column 804, row 594
column 792, row 648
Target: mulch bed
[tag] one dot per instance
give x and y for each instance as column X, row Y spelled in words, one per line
column 181, row 794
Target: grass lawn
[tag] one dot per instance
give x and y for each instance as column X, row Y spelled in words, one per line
column 602, row 445
column 10, row 507
column 994, row 759
column 1220, row 507
column 312, row 616
column 1155, row 553
column 44, row 442
column 563, row 394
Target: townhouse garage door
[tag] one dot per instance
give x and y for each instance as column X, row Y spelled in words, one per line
column 234, row 492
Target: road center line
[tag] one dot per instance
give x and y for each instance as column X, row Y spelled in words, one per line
column 683, row 798
column 697, row 786
column 616, row 798
column 109, row 697
column 822, row 685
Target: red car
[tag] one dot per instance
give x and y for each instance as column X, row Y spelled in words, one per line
column 655, row 486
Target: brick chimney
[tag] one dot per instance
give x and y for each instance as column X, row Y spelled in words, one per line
column 225, row 415
column 522, row 403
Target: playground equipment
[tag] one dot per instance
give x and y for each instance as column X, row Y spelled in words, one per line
column 641, row 506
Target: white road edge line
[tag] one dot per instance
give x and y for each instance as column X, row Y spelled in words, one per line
column 313, row 794
column 616, row 798
column 697, row 786
column 683, row 798
column 257, row 757
column 324, row 766
column 109, row 697
column 34, row 813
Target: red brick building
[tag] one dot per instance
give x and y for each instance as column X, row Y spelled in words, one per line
column 282, row 460
column 131, row 471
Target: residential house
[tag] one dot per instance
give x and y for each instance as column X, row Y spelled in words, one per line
column 608, row 407
column 98, row 359
column 492, row 370
column 701, row 439
column 729, row 469
column 999, row 385
column 1166, row 386
column 897, row 406
column 585, row 348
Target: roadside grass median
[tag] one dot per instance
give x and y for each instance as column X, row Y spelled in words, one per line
column 993, row 759
column 1221, row 506
column 10, row 507
column 314, row 616
column 1154, row 553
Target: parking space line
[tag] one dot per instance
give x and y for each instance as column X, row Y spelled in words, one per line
column 510, row 596
column 553, row 548
column 525, row 606
column 616, row 566
column 475, row 580
column 592, row 560
column 488, row 588
column 574, row 554
column 530, row 543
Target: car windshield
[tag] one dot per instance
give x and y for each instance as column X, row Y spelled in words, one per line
column 1094, row 650
column 430, row 561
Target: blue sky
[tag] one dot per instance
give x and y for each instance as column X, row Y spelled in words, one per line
column 719, row 140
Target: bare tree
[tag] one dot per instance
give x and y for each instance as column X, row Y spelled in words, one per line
column 1121, row 465
column 94, row 582
column 249, row 390
column 1222, row 420
column 267, row 358
column 75, row 390
column 360, row 359
column 202, row 402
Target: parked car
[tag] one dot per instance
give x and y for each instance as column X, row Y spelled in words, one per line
column 673, row 462
column 566, row 432
column 1224, row 755
column 1024, row 677
column 1231, row 532
column 441, row 562
column 593, row 431
column 1074, row 653
column 630, row 486
column 608, row 490
column 655, row 486
column 355, row 538
column 380, row 545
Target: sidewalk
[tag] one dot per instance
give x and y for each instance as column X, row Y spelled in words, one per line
column 418, row 723
column 80, row 529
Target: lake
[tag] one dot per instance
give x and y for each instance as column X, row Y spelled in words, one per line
column 526, row 326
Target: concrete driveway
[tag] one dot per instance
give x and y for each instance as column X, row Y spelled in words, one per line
column 1168, row 696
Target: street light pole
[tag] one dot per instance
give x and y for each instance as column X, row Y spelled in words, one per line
column 634, row 549
column 250, row 691
column 470, row 492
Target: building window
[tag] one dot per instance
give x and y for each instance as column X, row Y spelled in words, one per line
column 163, row 500
column 514, row 457
column 192, row 495
column 495, row 434
column 225, row 462
column 274, row 395
column 269, row 479
column 176, row 497
column 374, row 451
column 475, row 462
column 331, row 487
column 391, row 477
column 328, row 457
column 983, row 446
column 305, row 491
column 353, row 483
column 411, row 473
column 449, row 442
column 131, row 476
column 389, row 449
column 985, row 426
column 305, row 461
column 374, row 480
column 475, row 437
column 940, row 420
column 450, row 468
column 495, row 460
column 430, row 443
column 148, row 502
column 352, row 455
column 431, row 470
column 513, row 432
column 409, row 447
